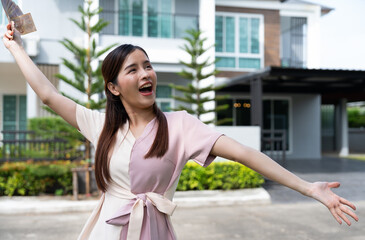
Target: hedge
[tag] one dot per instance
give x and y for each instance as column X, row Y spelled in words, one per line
column 34, row 178
column 218, row 175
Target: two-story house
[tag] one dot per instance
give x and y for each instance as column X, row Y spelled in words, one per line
column 268, row 51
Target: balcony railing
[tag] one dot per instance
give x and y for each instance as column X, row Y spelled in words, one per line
column 148, row 24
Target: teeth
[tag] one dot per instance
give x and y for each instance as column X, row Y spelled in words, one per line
column 146, row 86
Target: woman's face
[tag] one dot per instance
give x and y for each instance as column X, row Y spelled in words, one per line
column 136, row 82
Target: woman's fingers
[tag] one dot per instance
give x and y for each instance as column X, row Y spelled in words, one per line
column 9, row 34
column 334, row 184
column 344, row 209
column 335, row 215
column 342, row 215
column 348, row 203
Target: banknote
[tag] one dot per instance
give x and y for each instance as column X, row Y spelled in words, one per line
column 22, row 22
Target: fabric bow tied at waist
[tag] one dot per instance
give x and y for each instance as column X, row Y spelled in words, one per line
column 133, row 213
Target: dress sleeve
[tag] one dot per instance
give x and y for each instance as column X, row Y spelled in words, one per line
column 199, row 139
column 90, row 123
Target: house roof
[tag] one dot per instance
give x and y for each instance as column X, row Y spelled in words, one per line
column 324, row 9
column 331, row 84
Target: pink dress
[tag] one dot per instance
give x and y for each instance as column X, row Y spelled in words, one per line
column 138, row 202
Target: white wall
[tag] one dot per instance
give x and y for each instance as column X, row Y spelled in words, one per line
column 306, row 125
column 249, row 136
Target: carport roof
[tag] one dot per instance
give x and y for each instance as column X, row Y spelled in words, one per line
column 331, row 84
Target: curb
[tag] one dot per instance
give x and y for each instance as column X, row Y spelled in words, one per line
column 29, row 205
column 255, row 196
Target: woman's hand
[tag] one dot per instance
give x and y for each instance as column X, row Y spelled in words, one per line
column 12, row 37
column 338, row 206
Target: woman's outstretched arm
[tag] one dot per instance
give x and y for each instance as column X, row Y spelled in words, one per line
column 230, row 149
column 49, row 95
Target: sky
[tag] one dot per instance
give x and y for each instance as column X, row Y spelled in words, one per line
column 343, row 34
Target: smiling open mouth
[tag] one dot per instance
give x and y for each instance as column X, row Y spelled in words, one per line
column 147, row 88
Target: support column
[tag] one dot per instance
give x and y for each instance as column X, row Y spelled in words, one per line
column 32, row 103
column 206, row 17
column 256, row 102
column 342, row 128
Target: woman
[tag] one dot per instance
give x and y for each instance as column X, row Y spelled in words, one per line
column 141, row 151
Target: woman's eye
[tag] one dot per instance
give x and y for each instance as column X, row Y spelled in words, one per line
column 132, row 70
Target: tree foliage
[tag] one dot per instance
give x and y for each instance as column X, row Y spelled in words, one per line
column 86, row 68
column 356, row 117
column 87, row 77
column 197, row 70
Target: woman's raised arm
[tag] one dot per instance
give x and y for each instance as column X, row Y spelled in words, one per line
column 49, row 95
column 230, row 149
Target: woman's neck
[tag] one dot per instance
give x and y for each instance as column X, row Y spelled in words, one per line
column 138, row 119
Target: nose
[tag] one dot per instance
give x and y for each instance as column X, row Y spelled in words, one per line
column 144, row 74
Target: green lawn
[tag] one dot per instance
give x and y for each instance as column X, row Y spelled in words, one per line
column 360, row 157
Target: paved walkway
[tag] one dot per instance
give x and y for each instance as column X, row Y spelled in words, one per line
column 29, row 205
column 350, row 173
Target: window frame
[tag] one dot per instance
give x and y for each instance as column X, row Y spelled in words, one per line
column 237, row 54
column 164, row 100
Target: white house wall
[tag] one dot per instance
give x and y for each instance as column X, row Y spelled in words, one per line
column 51, row 18
column 306, row 137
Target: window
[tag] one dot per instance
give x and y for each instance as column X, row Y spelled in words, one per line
column 239, row 41
column 152, row 18
column 163, row 98
column 293, row 41
column 14, row 113
column 276, row 117
column 275, row 114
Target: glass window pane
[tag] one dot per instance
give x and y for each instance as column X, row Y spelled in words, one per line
column 165, row 106
column 243, row 112
column 254, row 63
column 9, row 115
column 227, row 113
column 281, row 118
column 243, row 35
column 164, row 91
column 266, row 105
column 22, row 113
column 166, row 23
column 124, row 17
column 228, row 62
column 183, row 23
column 137, row 18
column 230, row 34
column 166, row 18
column 255, row 25
column 281, row 111
column 219, row 34
column 153, row 18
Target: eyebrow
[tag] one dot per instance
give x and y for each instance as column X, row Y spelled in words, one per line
column 134, row 64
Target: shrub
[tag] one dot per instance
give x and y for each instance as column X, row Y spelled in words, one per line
column 219, row 175
column 33, row 178
column 356, row 117
column 48, row 126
